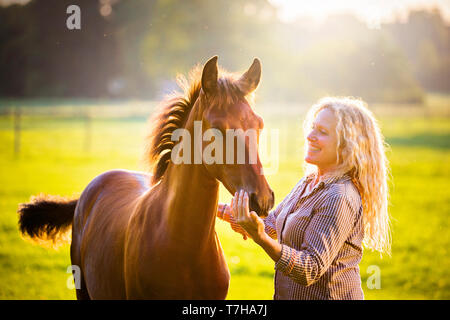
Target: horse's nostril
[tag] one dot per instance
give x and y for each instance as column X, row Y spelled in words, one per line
column 254, row 203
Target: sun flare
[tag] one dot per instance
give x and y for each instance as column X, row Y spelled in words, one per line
column 371, row 11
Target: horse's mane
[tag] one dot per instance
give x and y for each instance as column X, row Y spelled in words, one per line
column 173, row 112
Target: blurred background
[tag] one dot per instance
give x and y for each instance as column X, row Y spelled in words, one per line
column 380, row 50
column 74, row 103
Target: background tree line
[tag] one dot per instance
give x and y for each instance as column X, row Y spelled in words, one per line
column 135, row 49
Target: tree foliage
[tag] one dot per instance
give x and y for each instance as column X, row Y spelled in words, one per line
column 137, row 48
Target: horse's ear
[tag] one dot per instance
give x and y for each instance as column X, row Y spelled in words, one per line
column 209, row 76
column 250, row 79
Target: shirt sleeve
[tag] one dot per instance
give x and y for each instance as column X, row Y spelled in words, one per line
column 325, row 235
column 269, row 223
column 228, row 217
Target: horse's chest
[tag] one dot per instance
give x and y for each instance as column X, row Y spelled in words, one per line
column 176, row 275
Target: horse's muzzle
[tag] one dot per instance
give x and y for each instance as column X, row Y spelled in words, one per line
column 261, row 205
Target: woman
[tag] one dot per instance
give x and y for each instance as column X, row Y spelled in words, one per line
column 316, row 234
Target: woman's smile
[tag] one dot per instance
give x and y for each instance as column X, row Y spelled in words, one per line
column 311, row 148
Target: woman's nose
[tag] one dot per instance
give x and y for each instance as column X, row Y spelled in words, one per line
column 311, row 136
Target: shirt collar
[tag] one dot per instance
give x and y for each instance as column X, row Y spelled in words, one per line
column 324, row 181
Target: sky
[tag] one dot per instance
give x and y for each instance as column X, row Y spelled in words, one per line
column 373, row 12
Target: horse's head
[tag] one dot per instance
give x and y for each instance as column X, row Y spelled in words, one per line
column 228, row 116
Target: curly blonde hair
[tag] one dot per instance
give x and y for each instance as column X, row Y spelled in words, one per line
column 361, row 154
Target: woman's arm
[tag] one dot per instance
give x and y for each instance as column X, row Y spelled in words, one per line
column 224, row 212
column 324, row 237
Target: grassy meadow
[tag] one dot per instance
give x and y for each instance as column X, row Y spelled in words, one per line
column 60, row 152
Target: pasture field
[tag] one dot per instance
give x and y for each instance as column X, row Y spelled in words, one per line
column 60, row 153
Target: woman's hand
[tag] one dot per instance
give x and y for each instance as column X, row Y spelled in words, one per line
column 222, row 210
column 249, row 221
column 254, row 225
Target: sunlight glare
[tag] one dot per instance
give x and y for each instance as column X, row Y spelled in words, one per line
column 373, row 12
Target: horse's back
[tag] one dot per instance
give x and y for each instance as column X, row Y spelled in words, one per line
column 99, row 228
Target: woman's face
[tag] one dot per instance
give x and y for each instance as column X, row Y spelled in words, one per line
column 322, row 141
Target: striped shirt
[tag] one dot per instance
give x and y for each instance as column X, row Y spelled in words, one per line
column 321, row 233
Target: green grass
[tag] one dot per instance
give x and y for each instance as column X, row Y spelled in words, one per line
column 54, row 160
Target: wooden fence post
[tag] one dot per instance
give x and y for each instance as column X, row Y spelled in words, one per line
column 17, row 129
column 88, row 132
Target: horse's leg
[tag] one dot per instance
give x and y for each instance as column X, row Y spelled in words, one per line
column 82, row 293
column 80, row 284
column 98, row 233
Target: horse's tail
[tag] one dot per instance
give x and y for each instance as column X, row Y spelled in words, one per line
column 47, row 219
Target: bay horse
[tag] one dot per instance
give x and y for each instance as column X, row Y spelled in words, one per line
column 137, row 235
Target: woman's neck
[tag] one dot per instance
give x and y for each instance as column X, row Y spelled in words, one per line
column 323, row 174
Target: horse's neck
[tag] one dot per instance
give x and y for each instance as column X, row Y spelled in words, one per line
column 191, row 200
column 192, row 196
